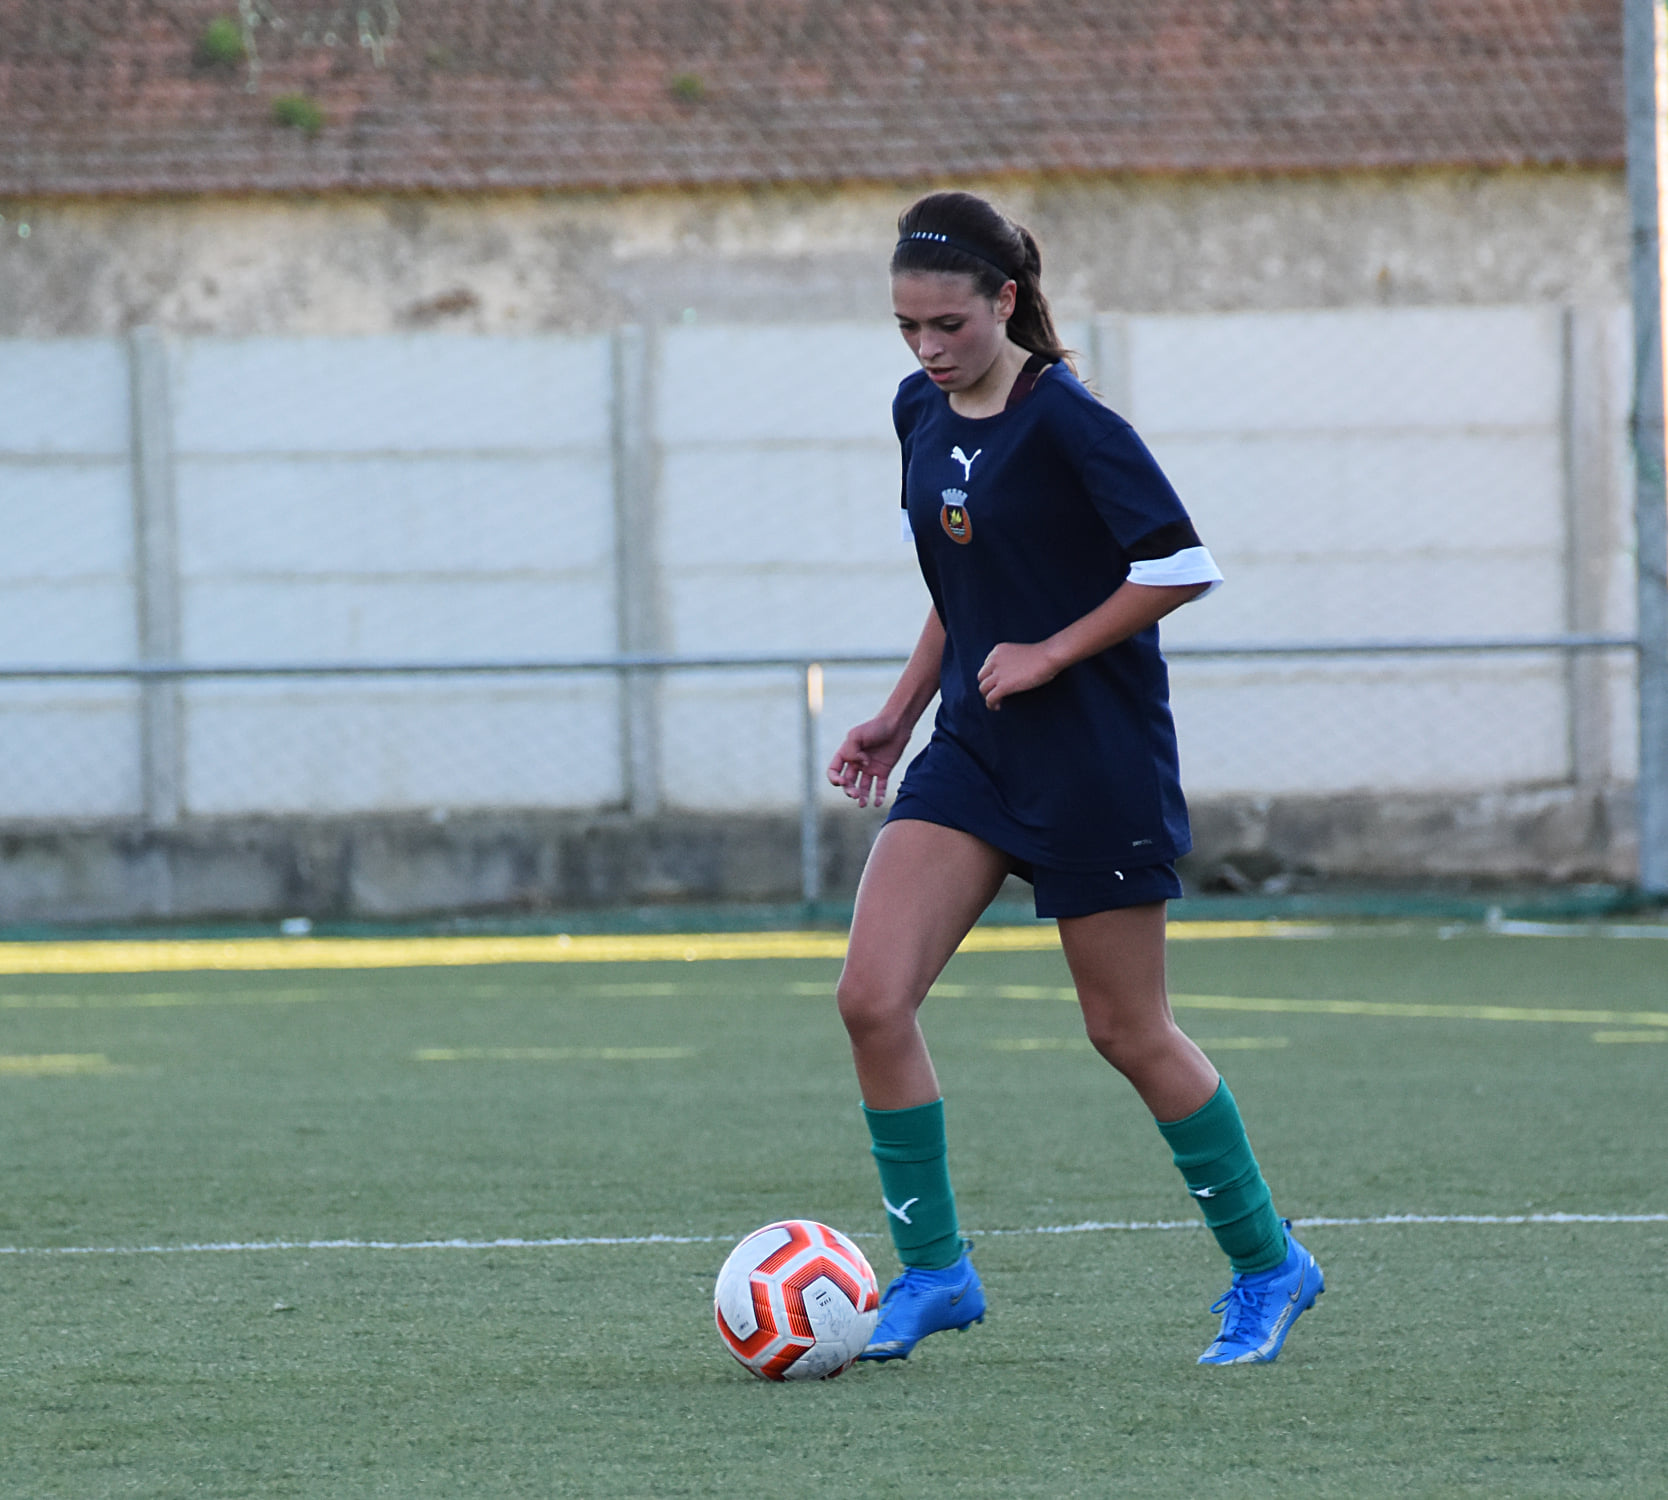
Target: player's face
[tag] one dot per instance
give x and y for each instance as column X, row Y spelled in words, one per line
column 955, row 331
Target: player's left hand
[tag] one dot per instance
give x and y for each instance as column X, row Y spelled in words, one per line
column 1011, row 668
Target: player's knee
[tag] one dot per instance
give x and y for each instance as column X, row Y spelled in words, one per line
column 868, row 1007
column 1132, row 1050
column 1112, row 1044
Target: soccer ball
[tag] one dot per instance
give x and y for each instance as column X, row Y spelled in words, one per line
column 796, row 1301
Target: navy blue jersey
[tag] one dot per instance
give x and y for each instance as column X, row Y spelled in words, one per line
column 1024, row 522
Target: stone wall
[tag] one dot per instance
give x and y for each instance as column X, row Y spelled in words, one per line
column 584, row 262
column 372, row 868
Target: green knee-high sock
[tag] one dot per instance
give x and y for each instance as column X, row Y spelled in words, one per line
column 1210, row 1148
column 914, row 1159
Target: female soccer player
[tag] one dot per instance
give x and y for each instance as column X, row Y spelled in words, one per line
column 1051, row 545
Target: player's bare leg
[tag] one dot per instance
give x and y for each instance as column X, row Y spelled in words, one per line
column 922, row 890
column 1117, row 963
column 923, row 887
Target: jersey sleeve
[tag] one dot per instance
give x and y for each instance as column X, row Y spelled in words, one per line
column 1144, row 514
column 904, row 412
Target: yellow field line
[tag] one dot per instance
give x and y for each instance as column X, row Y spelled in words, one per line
column 552, row 1054
column 1081, row 1043
column 1394, row 1009
column 270, row 954
column 55, row 1065
column 1421, row 1011
column 1181, row 932
column 115, row 1000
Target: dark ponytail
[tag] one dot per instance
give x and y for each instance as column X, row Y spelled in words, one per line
column 962, row 234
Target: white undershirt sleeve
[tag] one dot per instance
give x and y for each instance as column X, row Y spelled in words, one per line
column 1190, row 565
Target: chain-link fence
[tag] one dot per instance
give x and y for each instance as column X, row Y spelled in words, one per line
column 284, row 578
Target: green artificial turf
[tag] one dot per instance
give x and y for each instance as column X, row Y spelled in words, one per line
column 702, row 1100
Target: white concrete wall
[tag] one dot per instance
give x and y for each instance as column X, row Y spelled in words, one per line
column 1359, row 474
column 1367, row 475
column 779, row 532
column 66, row 578
column 422, row 498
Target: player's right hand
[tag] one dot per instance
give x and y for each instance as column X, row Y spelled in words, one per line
column 863, row 764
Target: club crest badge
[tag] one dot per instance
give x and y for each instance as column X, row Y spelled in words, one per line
column 957, row 524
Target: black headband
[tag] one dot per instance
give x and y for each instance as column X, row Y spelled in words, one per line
column 934, row 237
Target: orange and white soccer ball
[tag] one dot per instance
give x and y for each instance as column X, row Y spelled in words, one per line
column 796, row 1301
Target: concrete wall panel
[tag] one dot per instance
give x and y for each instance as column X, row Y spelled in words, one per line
column 486, row 515
column 750, row 505
column 64, row 396
column 796, row 609
column 730, row 740
column 832, row 383
column 328, row 619
column 1287, row 495
column 323, row 748
column 755, row 718
column 66, row 521
column 1342, row 370
column 1389, row 726
column 420, row 393
column 1361, row 598
column 66, row 622
column 68, row 751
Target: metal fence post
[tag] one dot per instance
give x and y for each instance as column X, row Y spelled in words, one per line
column 810, row 830
column 636, row 576
column 1643, row 37
column 1589, row 537
column 1109, row 363
column 156, row 573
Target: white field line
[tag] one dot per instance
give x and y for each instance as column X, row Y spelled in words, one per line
column 1093, row 1226
column 1574, row 929
column 565, row 1242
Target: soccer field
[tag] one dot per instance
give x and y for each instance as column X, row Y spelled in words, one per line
column 183, row 1147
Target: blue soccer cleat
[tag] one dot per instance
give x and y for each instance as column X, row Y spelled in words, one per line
column 1258, row 1310
column 921, row 1302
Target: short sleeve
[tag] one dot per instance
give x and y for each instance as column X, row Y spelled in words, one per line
column 904, row 435
column 1131, row 494
column 1144, row 514
column 905, row 412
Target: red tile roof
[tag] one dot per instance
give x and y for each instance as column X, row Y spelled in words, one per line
column 108, row 96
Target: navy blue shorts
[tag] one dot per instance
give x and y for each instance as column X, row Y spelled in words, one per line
column 1064, row 893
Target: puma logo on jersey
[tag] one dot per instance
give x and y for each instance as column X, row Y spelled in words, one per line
column 901, row 1213
column 965, row 462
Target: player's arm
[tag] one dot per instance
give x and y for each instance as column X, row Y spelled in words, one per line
column 863, row 764
column 1013, row 668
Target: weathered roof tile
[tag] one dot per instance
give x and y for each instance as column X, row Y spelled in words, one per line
column 109, row 96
